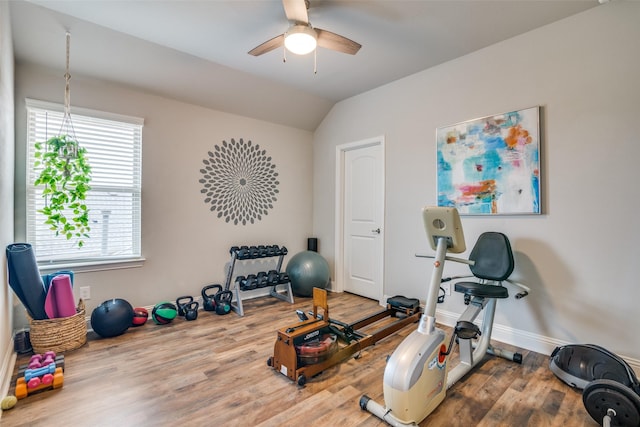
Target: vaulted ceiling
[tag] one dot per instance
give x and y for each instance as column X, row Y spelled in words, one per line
column 196, row 51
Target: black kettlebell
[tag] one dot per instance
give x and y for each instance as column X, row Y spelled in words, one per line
column 208, row 301
column 223, row 301
column 191, row 310
column 182, row 303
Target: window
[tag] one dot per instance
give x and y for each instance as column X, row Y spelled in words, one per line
column 114, row 145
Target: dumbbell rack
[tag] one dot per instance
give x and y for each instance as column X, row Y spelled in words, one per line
column 272, row 279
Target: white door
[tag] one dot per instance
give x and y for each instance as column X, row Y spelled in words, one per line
column 363, row 220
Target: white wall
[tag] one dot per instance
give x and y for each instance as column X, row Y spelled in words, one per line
column 185, row 245
column 6, row 192
column 579, row 256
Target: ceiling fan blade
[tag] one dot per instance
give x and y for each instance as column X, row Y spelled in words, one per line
column 268, row 46
column 296, row 11
column 336, row 42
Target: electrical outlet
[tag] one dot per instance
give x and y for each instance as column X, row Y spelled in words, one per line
column 446, row 287
column 85, row 292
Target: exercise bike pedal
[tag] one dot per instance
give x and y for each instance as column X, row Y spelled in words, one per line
column 466, row 330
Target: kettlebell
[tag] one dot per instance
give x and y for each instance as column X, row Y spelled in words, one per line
column 223, row 301
column 182, row 303
column 191, row 310
column 208, row 301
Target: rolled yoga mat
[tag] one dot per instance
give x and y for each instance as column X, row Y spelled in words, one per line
column 25, row 279
column 46, row 278
column 59, row 301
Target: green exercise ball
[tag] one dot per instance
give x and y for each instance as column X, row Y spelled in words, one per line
column 307, row 270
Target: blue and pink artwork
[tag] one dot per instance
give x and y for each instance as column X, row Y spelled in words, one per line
column 491, row 165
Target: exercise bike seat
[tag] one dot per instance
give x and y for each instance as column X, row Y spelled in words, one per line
column 493, row 262
column 481, row 290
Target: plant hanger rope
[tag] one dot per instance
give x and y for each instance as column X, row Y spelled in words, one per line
column 67, row 78
column 67, row 125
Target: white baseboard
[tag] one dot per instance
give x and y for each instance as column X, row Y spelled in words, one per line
column 518, row 338
column 522, row 339
column 7, row 364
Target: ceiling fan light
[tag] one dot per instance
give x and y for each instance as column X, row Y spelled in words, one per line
column 300, row 39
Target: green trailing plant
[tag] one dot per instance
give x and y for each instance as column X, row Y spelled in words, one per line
column 65, row 175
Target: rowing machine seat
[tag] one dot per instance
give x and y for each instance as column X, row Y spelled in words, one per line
column 402, row 302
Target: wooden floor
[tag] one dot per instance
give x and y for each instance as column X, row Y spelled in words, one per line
column 213, row 372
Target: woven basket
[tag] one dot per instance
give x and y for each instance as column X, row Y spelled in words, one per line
column 59, row 335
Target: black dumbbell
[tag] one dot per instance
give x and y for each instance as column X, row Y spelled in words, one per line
column 234, row 249
column 252, row 282
column 271, row 250
column 272, row 277
column 240, row 282
column 182, row 303
column 253, row 252
column 283, row 278
column 262, row 279
column 243, row 253
column 208, row 301
column 284, row 251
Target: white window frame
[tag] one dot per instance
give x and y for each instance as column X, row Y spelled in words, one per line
column 87, row 259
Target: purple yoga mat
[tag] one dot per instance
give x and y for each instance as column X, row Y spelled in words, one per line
column 59, row 301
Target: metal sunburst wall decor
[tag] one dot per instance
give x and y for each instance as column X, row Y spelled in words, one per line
column 239, row 182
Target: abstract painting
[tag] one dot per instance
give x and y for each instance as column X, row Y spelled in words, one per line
column 491, row 165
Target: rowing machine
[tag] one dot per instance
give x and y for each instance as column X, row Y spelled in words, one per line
column 305, row 349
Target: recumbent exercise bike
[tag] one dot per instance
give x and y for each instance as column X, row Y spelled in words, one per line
column 416, row 376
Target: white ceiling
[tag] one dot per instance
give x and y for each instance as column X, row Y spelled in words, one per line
column 196, row 50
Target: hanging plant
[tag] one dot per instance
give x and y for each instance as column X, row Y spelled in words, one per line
column 65, row 175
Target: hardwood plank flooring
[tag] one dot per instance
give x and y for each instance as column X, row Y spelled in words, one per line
column 213, row 372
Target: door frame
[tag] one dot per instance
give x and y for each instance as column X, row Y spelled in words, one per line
column 339, row 211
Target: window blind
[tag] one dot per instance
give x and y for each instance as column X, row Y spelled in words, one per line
column 114, row 147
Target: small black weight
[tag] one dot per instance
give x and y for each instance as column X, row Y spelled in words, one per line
column 243, row 253
column 283, row 278
column 191, row 310
column 272, row 277
column 262, row 279
column 208, row 301
column 251, row 283
column 181, row 303
column 254, row 252
column 262, row 251
column 223, row 302
column 271, row 250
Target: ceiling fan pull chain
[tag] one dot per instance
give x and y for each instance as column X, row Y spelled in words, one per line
column 315, row 61
column 284, row 53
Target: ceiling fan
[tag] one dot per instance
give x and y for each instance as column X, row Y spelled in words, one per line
column 301, row 38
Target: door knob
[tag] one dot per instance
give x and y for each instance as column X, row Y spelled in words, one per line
column 377, row 230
